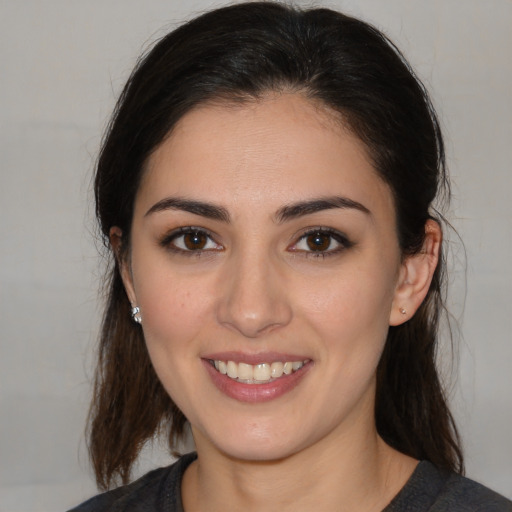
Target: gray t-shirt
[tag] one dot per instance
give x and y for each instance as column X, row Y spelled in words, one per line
column 428, row 490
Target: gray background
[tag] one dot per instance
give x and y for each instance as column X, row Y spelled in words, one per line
column 62, row 64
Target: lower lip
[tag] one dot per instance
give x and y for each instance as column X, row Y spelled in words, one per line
column 256, row 393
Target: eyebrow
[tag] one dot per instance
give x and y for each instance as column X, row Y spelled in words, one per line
column 201, row 208
column 302, row 208
column 285, row 213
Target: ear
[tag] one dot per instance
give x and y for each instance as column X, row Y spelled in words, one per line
column 415, row 276
column 116, row 242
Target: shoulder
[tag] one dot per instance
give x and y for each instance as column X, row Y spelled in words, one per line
column 465, row 495
column 156, row 491
column 431, row 489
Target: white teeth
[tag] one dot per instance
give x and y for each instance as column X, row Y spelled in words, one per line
column 259, row 373
column 276, row 370
column 245, row 371
column 232, row 370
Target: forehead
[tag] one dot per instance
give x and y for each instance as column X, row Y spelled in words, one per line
column 266, row 152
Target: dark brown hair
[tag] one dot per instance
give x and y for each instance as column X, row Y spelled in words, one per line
column 239, row 53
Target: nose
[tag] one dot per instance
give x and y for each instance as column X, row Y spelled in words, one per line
column 253, row 299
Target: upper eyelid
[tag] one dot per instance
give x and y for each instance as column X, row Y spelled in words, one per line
column 335, row 233
column 321, row 229
column 184, row 230
column 342, row 239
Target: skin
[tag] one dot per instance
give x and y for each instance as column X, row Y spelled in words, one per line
column 256, row 286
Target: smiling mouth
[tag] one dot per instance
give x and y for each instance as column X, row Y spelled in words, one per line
column 258, row 373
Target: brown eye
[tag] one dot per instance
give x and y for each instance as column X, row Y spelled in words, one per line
column 319, row 241
column 195, row 241
column 191, row 240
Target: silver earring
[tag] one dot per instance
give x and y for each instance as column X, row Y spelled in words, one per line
column 403, row 311
column 136, row 314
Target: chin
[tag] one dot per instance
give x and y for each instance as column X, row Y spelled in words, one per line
column 256, row 452
column 256, row 441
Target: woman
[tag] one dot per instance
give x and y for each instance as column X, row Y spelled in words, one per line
column 266, row 187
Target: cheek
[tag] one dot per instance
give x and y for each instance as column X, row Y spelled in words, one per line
column 173, row 314
column 350, row 314
column 358, row 300
column 172, row 306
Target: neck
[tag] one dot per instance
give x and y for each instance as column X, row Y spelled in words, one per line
column 346, row 475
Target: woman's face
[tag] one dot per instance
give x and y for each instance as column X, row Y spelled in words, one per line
column 264, row 245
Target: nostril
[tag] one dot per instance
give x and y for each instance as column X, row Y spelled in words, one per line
column 256, row 319
column 252, row 296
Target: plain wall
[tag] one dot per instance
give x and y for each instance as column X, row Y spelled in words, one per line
column 62, row 65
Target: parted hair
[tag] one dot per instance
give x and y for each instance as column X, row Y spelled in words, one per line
column 239, row 53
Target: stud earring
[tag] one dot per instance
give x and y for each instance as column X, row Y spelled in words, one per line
column 403, row 311
column 136, row 314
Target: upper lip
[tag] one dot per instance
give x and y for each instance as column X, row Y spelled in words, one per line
column 254, row 358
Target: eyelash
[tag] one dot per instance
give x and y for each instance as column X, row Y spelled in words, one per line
column 169, row 242
column 333, row 235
